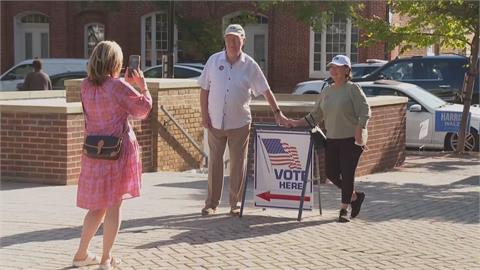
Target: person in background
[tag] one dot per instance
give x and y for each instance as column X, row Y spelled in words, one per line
column 343, row 108
column 37, row 79
column 227, row 82
column 108, row 102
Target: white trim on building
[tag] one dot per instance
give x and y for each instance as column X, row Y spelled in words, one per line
column 345, row 44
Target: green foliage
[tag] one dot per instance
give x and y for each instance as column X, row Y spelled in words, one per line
column 449, row 23
column 200, row 38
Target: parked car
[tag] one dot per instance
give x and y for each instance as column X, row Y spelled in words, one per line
column 179, row 71
column 421, row 109
column 58, row 80
column 52, row 66
column 362, row 69
column 358, row 70
column 193, row 65
column 310, row 87
column 440, row 75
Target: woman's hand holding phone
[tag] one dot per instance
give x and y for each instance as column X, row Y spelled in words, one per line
column 135, row 77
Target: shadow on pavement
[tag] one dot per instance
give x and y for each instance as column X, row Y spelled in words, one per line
column 440, row 166
column 219, row 228
column 458, row 202
column 200, row 229
column 10, row 185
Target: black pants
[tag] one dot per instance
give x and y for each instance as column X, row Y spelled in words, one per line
column 341, row 159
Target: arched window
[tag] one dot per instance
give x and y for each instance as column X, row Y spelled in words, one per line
column 34, row 18
column 244, row 18
column 94, row 33
column 31, row 35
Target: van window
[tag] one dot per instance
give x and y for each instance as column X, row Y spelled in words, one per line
column 154, row 73
column 18, row 73
column 185, row 73
column 431, row 71
column 400, row 71
column 57, row 68
column 58, row 83
column 378, row 91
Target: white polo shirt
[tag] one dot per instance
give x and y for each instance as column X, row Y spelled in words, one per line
column 230, row 88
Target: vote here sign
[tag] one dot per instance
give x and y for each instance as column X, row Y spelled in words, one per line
column 280, row 169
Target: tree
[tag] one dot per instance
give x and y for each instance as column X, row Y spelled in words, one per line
column 449, row 23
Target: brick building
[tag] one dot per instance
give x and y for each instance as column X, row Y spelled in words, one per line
column 287, row 50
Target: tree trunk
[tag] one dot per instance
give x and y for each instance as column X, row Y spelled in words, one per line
column 468, row 91
column 436, row 49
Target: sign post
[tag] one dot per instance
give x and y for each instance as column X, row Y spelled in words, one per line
column 282, row 169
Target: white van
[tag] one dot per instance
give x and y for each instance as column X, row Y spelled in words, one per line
column 51, row 66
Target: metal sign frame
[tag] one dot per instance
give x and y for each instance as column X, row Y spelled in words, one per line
column 267, row 127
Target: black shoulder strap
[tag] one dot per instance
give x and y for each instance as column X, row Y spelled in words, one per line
column 84, row 111
column 309, row 123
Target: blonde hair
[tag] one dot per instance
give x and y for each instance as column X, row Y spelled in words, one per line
column 106, row 60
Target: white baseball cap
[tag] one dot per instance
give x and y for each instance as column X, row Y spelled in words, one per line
column 235, row 29
column 340, row 60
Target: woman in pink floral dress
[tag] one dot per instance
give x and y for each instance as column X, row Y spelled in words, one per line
column 108, row 101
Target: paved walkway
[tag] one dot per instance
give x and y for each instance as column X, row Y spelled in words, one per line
column 422, row 216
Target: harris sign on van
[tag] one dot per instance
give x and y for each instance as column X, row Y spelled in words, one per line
column 280, row 169
column 447, row 121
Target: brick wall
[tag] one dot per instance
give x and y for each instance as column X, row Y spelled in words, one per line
column 386, row 141
column 47, row 147
column 289, row 47
column 184, row 105
column 74, row 142
column 376, row 51
column 175, row 152
column 34, row 147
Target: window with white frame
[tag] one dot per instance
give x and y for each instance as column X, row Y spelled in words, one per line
column 31, row 36
column 154, row 38
column 94, row 33
column 338, row 37
column 34, row 18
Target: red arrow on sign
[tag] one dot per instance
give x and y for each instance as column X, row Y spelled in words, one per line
column 267, row 196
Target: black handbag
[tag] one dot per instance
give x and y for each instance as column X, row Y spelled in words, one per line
column 102, row 146
column 317, row 135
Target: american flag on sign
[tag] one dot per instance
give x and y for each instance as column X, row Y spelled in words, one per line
column 281, row 153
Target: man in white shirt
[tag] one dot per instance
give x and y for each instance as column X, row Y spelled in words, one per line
column 228, row 80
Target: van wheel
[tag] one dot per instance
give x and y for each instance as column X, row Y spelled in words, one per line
column 471, row 141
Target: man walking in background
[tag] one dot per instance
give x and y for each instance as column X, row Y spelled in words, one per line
column 37, row 80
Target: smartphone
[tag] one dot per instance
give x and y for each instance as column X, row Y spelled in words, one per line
column 134, row 62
